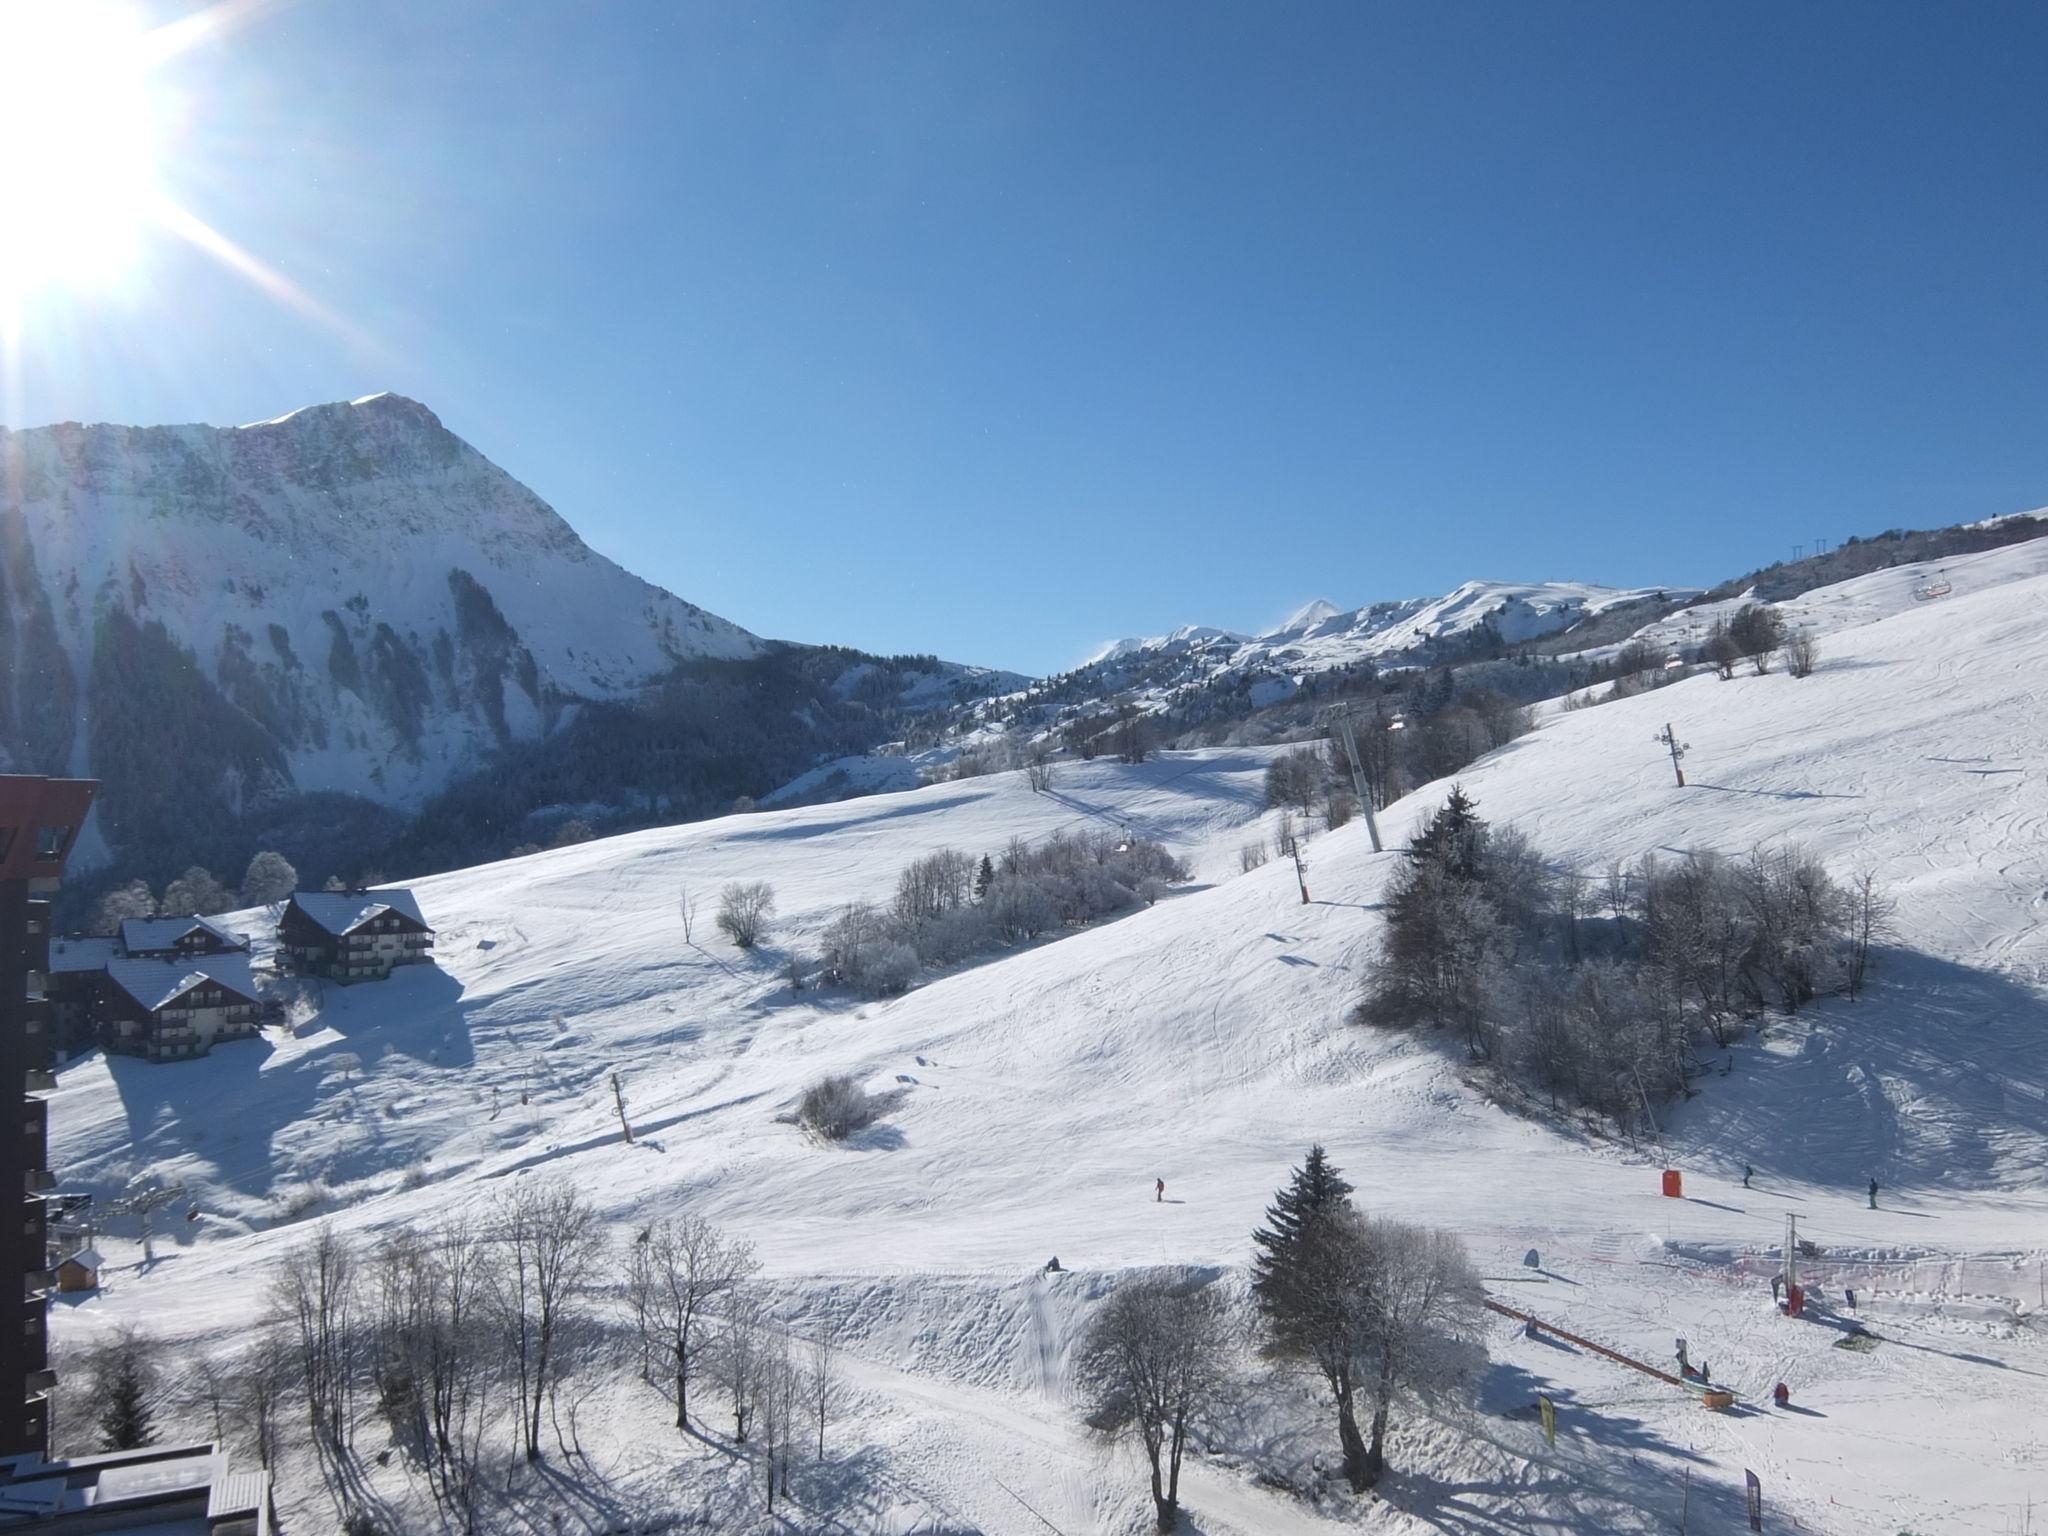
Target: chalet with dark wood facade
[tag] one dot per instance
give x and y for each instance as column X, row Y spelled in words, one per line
column 352, row 935
column 163, row 988
column 172, row 938
column 170, row 1009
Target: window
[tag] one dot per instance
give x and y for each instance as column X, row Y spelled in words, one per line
column 52, row 841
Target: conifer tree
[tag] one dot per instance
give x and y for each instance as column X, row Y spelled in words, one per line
column 123, row 1382
column 1312, row 1279
column 1455, row 839
column 1314, row 1194
column 984, row 878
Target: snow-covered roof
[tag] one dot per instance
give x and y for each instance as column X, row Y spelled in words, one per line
column 142, row 934
column 85, row 1258
column 342, row 912
column 71, row 955
column 153, row 983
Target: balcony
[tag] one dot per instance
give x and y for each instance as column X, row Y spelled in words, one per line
column 38, row 1181
column 41, row 1080
column 40, row 1382
column 35, row 1281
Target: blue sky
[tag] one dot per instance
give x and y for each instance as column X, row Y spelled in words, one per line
column 1002, row 329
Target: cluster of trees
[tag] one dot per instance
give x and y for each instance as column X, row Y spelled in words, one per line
column 1598, row 991
column 270, row 877
column 491, row 1329
column 948, row 906
column 1449, row 730
column 1375, row 1310
column 1757, row 634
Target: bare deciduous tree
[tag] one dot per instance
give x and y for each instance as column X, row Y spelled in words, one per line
column 778, row 1400
column 1870, row 924
column 744, row 908
column 1800, row 652
column 684, row 1268
column 547, row 1237
column 1038, row 767
column 259, row 1380
column 687, row 905
column 313, row 1297
column 1286, row 836
column 457, row 1363
column 740, row 1354
column 822, row 1386
column 1152, row 1358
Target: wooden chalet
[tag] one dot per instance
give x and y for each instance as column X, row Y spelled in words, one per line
column 169, row 938
column 169, row 1009
column 80, row 1271
column 352, row 935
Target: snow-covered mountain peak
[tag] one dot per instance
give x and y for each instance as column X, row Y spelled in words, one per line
column 1307, row 617
column 368, row 603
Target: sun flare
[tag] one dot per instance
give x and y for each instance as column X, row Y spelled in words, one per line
column 78, row 139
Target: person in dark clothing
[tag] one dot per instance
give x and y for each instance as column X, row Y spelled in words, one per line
column 1159, row 1193
column 1747, row 1171
column 1873, row 1194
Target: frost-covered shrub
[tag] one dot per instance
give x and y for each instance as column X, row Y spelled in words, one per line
column 298, row 1201
column 891, row 968
column 744, row 908
column 836, row 1107
column 949, row 906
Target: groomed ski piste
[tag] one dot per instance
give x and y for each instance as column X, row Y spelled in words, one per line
column 1205, row 1041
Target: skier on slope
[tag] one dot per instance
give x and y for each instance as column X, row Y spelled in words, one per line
column 1873, row 1194
column 1159, row 1191
column 1747, row 1173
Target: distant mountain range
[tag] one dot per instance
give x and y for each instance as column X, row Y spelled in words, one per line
column 347, row 635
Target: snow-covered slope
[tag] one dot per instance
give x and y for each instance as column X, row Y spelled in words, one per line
column 1204, row 1041
column 383, row 601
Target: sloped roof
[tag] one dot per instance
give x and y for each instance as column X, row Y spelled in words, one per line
column 153, row 983
column 145, row 933
column 85, row 1258
column 342, row 912
column 80, row 954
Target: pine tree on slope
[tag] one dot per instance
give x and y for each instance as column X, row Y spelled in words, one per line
column 125, row 1421
column 1454, row 840
column 1316, row 1193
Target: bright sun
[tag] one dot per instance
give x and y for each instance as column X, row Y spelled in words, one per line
column 77, row 170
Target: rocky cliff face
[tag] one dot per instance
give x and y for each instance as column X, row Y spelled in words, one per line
column 347, row 599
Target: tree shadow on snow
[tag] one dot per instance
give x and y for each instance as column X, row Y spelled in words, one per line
column 1773, row 794
column 1934, row 1078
